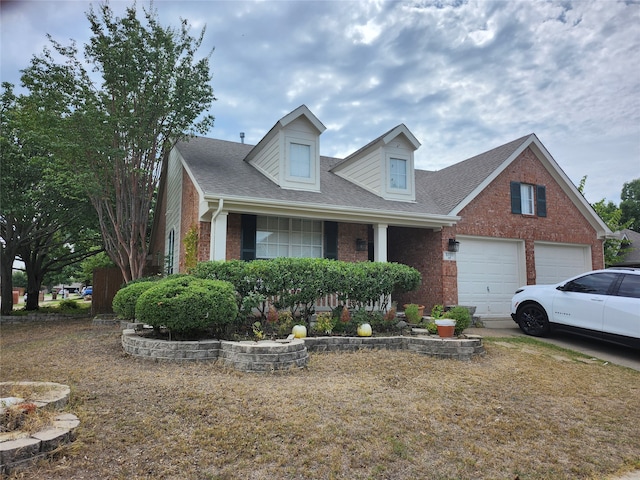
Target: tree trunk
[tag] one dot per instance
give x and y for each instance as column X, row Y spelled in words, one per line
column 6, row 279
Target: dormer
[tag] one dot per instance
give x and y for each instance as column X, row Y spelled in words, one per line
column 289, row 154
column 385, row 166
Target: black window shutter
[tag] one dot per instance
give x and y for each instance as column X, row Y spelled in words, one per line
column 248, row 237
column 331, row 240
column 516, row 203
column 541, row 200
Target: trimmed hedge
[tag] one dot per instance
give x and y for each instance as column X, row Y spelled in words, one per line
column 187, row 304
column 124, row 302
column 297, row 283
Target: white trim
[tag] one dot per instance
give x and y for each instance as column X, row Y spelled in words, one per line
column 334, row 213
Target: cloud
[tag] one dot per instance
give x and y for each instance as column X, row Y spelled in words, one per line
column 464, row 76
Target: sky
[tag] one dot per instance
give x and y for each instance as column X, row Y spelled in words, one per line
column 464, row 76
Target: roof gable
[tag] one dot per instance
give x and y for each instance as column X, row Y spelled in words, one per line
column 377, row 166
column 456, row 186
column 289, row 154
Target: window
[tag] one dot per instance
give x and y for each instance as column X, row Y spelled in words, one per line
column 524, row 202
column 300, row 160
column 630, row 286
column 171, row 245
column 288, row 237
column 398, row 173
column 526, row 199
column 595, row 283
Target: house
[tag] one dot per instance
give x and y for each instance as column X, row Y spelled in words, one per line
column 630, row 257
column 476, row 230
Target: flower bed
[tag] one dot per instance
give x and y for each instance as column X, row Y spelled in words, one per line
column 267, row 355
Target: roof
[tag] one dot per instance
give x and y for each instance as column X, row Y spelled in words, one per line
column 631, row 256
column 219, row 169
column 451, row 185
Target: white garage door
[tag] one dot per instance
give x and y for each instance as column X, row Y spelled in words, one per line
column 556, row 262
column 489, row 272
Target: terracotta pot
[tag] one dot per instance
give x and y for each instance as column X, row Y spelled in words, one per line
column 420, row 309
column 446, row 328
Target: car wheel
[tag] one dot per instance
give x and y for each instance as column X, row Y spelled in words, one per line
column 533, row 320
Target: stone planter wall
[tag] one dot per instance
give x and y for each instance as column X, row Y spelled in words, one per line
column 270, row 355
column 40, row 317
column 264, row 356
column 19, row 449
column 140, row 346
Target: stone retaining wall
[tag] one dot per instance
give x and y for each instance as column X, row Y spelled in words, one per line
column 270, row 355
column 40, row 317
column 19, row 449
column 264, row 356
column 140, row 346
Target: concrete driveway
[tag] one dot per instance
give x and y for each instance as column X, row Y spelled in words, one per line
column 616, row 354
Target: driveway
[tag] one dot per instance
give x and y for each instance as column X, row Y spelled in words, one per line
column 616, row 354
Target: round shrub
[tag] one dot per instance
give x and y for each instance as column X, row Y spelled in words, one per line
column 187, row 304
column 124, row 302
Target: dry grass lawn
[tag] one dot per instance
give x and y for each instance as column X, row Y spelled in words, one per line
column 526, row 410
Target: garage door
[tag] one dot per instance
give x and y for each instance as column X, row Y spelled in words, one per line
column 489, row 272
column 556, row 262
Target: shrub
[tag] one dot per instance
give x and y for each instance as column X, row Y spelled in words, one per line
column 462, row 317
column 411, row 312
column 325, row 323
column 124, row 302
column 68, row 306
column 187, row 304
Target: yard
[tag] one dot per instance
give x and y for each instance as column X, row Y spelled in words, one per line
column 526, row 410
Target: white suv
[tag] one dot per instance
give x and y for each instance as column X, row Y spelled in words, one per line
column 603, row 304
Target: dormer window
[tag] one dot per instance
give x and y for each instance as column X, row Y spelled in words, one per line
column 289, row 154
column 300, row 160
column 398, row 173
column 384, row 166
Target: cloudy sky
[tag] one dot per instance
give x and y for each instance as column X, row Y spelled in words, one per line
column 464, row 76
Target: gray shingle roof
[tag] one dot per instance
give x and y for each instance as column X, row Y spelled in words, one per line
column 632, row 256
column 219, row 168
column 450, row 186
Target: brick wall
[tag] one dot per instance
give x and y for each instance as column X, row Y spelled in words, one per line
column 420, row 249
column 348, row 233
column 190, row 207
column 489, row 214
column 234, row 239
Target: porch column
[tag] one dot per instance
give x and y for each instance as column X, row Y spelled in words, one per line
column 380, row 242
column 218, row 246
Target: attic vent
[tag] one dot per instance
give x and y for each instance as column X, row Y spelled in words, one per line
column 242, row 137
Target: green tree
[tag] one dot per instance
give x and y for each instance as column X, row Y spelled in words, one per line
column 630, row 204
column 101, row 260
column 152, row 93
column 44, row 219
column 610, row 214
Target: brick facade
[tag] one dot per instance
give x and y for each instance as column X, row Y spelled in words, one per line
column 488, row 215
column 348, row 233
column 189, row 216
column 563, row 224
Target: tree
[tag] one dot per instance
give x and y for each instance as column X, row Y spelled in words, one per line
column 630, row 204
column 612, row 216
column 44, row 219
column 153, row 93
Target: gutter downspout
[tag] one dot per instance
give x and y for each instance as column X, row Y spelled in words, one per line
column 212, row 239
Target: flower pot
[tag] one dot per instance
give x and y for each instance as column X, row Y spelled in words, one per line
column 446, row 328
column 420, row 309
